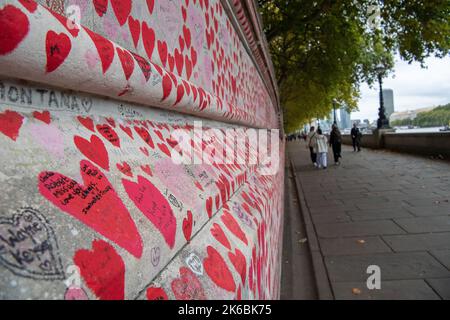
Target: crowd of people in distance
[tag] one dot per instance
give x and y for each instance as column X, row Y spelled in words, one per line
column 319, row 144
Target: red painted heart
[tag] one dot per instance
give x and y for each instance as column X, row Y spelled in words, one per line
column 31, row 5
column 122, row 9
column 94, row 150
column 154, row 206
column 187, row 226
column 162, row 50
column 220, row 236
column 103, row 270
column 125, row 169
column 217, row 270
column 145, row 135
column 187, row 286
column 239, row 262
column 10, row 124
column 148, row 38
column 127, row 130
column 209, row 203
column 164, row 149
column 15, row 27
column 95, row 203
column 147, row 170
column 104, row 47
column 87, row 122
column 101, row 6
column 42, row 116
column 135, row 30
column 109, row 134
column 151, row 5
column 233, row 226
column 156, row 294
column 58, row 47
column 127, row 61
column 166, row 86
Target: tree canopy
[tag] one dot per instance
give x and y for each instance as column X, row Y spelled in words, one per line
column 323, row 50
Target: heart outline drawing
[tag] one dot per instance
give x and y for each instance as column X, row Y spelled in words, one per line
column 40, row 227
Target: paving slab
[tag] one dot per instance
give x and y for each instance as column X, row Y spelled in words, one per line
column 441, row 286
column 353, row 229
column 425, row 224
column 351, row 246
column 443, row 256
column 390, row 290
column 366, row 215
column 394, row 266
column 419, row 242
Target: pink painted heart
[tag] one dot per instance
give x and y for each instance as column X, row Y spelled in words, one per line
column 154, row 206
column 95, row 203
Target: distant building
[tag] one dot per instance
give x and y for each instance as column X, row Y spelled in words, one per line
column 409, row 114
column 388, row 97
column 345, row 119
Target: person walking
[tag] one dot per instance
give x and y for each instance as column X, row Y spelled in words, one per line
column 321, row 148
column 336, row 144
column 310, row 141
column 356, row 138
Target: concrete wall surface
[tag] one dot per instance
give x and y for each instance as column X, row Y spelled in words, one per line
column 94, row 204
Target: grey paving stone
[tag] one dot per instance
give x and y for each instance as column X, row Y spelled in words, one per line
column 365, row 215
column 390, row 290
column 354, row 229
column 419, row 242
column 340, row 217
column 430, row 211
column 380, row 205
column 442, row 287
column 443, row 256
column 425, row 224
column 351, row 246
column 394, row 266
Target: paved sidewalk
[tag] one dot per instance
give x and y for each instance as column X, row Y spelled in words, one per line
column 379, row 208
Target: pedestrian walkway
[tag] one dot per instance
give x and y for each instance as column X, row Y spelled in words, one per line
column 382, row 209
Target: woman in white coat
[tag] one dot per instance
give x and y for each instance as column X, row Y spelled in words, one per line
column 321, row 148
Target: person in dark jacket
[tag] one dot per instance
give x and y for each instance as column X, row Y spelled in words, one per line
column 336, row 143
column 310, row 140
column 356, row 138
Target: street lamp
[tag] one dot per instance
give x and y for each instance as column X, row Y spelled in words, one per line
column 334, row 111
column 383, row 121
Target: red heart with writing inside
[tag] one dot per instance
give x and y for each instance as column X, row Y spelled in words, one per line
column 122, row 9
column 233, row 226
column 31, row 5
column 135, row 30
column 101, row 6
column 125, row 169
column 148, row 38
column 127, row 61
column 109, row 134
column 220, row 236
column 156, row 294
column 95, row 203
column 217, row 270
column 104, row 47
column 10, row 124
column 87, row 122
column 15, row 27
column 154, row 206
column 94, row 150
column 103, row 270
column 58, row 47
column 42, row 116
column 239, row 262
column 187, row 286
column 145, row 135
column 187, row 226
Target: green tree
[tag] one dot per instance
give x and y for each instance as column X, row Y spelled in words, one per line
column 323, row 49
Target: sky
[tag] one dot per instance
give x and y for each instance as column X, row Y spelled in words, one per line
column 414, row 88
